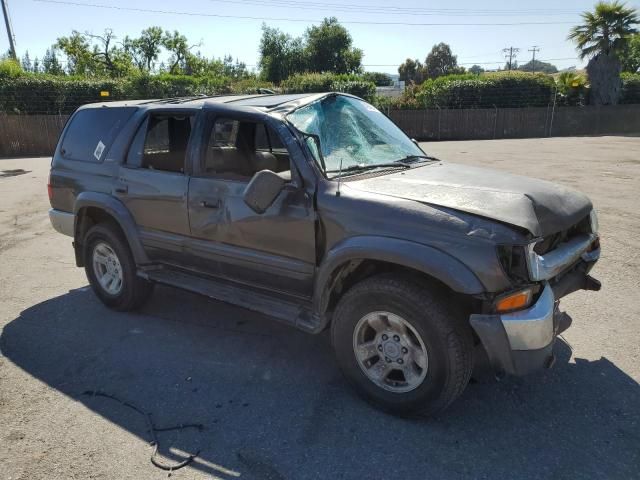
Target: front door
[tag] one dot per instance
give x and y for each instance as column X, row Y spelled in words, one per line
column 274, row 250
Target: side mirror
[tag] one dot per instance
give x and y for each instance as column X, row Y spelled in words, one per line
column 262, row 190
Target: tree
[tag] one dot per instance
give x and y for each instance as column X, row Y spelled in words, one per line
column 476, row 69
column 441, row 61
column 378, row 78
column 234, row 69
column 605, row 30
column 328, row 48
column 538, row 66
column 145, row 49
column 602, row 37
column 179, row 48
column 630, row 56
column 572, row 88
column 281, row 55
column 94, row 55
column 115, row 60
column 9, row 68
column 36, row 65
column 27, row 66
column 411, row 71
column 50, row 63
column 194, row 64
column 77, row 49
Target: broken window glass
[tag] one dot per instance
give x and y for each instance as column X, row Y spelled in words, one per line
column 352, row 132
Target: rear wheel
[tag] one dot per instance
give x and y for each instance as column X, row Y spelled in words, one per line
column 111, row 269
column 401, row 346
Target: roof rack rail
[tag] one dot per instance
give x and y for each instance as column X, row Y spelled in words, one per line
column 181, row 99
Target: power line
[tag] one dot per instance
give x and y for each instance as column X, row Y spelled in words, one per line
column 452, row 11
column 65, row 62
column 392, row 10
column 243, row 17
column 474, row 63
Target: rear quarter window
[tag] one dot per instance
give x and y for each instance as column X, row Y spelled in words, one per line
column 92, row 131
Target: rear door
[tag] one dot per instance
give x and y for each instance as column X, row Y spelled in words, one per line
column 274, row 250
column 154, row 181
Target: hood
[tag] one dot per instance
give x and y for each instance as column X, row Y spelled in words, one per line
column 541, row 207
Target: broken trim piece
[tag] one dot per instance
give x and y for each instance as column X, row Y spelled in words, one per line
column 549, row 265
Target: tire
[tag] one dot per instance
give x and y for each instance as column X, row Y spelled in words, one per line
column 428, row 322
column 133, row 291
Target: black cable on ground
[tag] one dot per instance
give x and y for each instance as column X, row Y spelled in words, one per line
column 152, row 431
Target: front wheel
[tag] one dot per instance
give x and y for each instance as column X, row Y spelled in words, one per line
column 402, row 347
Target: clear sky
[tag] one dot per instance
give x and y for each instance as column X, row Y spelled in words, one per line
column 37, row 25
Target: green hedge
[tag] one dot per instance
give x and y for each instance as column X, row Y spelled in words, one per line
column 329, row 82
column 630, row 88
column 358, row 88
column 167, row 86
column 501, row 90
column 48, row 94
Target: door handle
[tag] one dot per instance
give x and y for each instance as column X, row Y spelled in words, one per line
column 122, row 189
column 205, row 204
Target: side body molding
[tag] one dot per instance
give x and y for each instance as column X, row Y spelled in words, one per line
column 119, row 212
column 442, row 266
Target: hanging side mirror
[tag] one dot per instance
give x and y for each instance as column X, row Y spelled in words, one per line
column 262, row 190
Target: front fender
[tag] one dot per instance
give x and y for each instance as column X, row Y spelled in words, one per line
column 431, row 261
column 120, row 214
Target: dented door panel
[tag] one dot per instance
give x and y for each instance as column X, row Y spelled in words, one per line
column 274, row 249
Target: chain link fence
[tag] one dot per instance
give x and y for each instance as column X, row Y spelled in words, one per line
column 32, row 117
column 533, row 122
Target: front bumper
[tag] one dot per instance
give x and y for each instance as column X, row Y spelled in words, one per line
column 521, row 342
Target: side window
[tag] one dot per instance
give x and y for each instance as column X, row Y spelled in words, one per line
column 136, row 149
column 236, row 150
column 225, row 133
column 268, row 140
column 92, row 131
column 161, row 143
column 262, row 138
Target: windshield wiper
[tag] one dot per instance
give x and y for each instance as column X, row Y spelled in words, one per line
column 416, row 158
column 363, row 168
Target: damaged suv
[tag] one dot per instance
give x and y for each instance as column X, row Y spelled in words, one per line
column 317, row 210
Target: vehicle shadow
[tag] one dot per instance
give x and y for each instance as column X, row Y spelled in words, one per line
column 274, row 405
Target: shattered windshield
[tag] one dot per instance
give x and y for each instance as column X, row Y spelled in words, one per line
column 353, row 132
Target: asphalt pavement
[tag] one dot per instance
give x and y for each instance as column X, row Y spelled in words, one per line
column 271, row 400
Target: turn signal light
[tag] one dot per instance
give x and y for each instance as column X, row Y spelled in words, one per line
column 514, row 301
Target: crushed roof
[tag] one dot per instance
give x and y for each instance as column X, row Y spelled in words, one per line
column 280, row 102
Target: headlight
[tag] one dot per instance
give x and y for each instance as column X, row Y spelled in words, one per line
column 593, row 217
column 514, row 262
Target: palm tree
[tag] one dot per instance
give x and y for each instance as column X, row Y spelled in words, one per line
column 603, row 35
column 605, row 30
column 572, row 88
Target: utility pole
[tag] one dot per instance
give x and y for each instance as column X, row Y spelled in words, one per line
column 534, row 49
column 7, row 22
column 510, row 54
